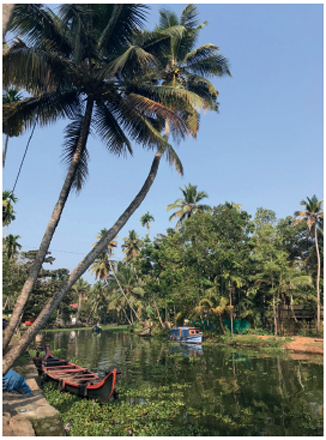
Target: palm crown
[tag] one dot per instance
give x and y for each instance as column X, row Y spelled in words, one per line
column 189, row 205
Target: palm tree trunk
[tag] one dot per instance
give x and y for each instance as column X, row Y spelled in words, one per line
column 79, row 305
column 291, row 307
column 221, row 324
column 81, row 268
column 158, row 313
column 318, row 279
column 130, row 323
column 7, row 11
column 122, row 291
column 5, row 151
column 55, row 218
column 231, row 312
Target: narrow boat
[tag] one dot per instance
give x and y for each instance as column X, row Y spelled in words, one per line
column 187, row 335
column 77, row 380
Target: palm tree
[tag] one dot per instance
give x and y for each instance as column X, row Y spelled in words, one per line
column 219, row 310
column 131, row 246
column 8, row 198
column 82, row 289
column 188, row 206
column 146, row 219
column 10, row 96
column 103, row 269
column 11, row 245
column 81, row 65
column 313, row 215
column 156, row 97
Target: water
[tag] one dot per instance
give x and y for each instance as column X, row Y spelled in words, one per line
column 230, row 392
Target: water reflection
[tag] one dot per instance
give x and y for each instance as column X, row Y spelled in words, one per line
column 231, row 392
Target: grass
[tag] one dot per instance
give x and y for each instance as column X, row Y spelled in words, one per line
column 69, row 329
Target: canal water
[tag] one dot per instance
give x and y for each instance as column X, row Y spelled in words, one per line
column 230, row 392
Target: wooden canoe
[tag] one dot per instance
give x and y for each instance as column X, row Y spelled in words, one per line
column 77, row 380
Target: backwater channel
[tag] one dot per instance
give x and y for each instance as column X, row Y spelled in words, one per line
column 208, row 389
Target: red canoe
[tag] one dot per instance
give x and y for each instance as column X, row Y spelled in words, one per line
column 77, row 380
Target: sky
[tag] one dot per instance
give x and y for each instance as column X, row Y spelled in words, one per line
column 263, row 149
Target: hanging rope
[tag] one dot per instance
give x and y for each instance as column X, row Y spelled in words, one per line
column 22, row 161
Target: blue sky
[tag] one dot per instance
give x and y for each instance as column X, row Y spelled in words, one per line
column 264, row 148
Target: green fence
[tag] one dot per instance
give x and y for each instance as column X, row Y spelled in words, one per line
column 238, row 326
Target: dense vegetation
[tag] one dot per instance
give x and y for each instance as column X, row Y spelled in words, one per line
column 218, row 264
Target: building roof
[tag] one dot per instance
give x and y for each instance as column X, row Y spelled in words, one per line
column 74, row 306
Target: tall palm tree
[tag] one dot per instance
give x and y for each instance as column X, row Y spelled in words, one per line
column 10, row 96
column 82, row 289
column 131, row 246
column 189, row 205
column 313, row 215
column 106, row 265
column 145, row 220
column 186, row 103
column 8, row 199
column 11, row 245
column 81, row 64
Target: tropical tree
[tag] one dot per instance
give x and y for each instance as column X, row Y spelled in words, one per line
column 81, row 65
column 10, row 96
column 131, row 246
column 8, row 199
column 145, row 220
column 313, row 215
column 189, row 205
column 12, row 245
column 82, row 289
column 153, row 116
column 105, row 265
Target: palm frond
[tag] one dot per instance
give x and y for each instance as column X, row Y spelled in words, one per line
column 72, row 135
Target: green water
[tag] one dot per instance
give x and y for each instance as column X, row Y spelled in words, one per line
column 227, row 392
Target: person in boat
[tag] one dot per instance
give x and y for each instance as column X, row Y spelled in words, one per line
column 38, row 363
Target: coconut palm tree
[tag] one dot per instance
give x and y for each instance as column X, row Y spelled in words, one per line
column 10, row 96
column 189, row 205
column 313, row 215
column 8, row 199
column 145, row 220
column 81, row 64
column 131, row 246
column 12, row 245
column 156, row 97
column 82, row 289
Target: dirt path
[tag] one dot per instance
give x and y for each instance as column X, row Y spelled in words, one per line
column 300, row 344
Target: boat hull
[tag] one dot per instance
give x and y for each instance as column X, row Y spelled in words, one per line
column 80, row 381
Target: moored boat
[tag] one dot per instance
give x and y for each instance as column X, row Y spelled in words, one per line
column 187, row 335
column 77, row 380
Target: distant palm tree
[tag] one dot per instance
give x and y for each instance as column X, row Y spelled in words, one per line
column 82, row 289
column 131, row 246
column 189, row 205
column 145, row 220
column 8, row 199
column 313, row 215
column 11, row 245
column 11, row 96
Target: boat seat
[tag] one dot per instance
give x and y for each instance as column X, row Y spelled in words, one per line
column 54, row 363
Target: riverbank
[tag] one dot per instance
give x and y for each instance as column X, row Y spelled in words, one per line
column 29, row 416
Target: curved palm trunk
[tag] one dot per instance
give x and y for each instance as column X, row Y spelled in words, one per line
column 100, row 246
column 318, row 280
column 122, row 291
column 291, row 307
column 7, row 11
column 5, row 151
column 55, row 218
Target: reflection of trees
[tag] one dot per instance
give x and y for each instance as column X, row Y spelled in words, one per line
column 239, row 393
